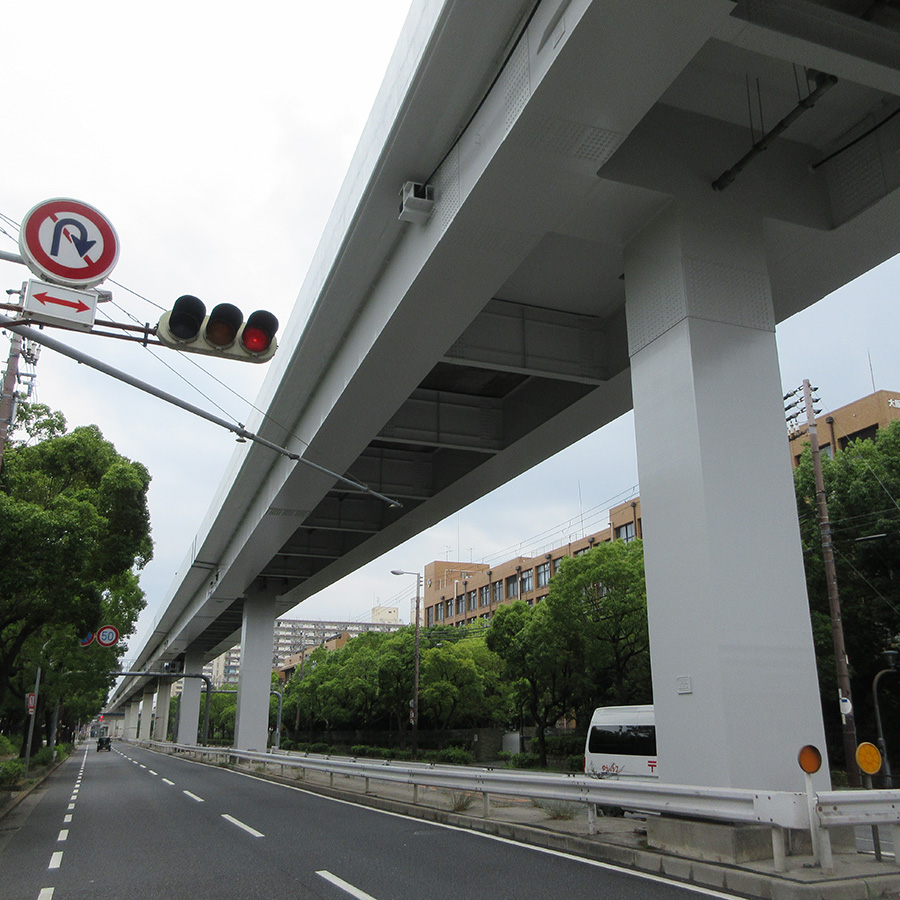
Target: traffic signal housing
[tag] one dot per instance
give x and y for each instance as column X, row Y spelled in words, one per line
column 222, row 333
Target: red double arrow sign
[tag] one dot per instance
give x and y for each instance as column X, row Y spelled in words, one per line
column 77, row 305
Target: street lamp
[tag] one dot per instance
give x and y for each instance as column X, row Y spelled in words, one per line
column 415, row 706
column 890, row 660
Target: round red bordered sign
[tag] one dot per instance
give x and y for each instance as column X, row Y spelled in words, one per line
column 68, row 242
column 107, row 636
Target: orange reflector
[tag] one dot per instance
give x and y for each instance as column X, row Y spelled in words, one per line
column 810, row 759
column 868, row 758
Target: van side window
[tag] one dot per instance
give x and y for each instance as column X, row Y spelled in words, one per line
column 619, row 740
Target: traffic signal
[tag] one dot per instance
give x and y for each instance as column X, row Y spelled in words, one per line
column 222, row 333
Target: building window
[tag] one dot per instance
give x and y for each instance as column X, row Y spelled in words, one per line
column 440, row 612
column 543, row 575
column 429, row 616
column 473, row 601
column 527, row 581
column 461, row 605
column 625, row 532
column 498, row 592
column 486, row 595
column 450, row 608
column 512, row 587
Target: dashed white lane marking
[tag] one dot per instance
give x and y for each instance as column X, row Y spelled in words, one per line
column 55, row 860
column 166, row 781
column 193, row 796
column 151, row 771
column 142, row 765
column 240, row 824
column 71, row 806
column 46, row 894
column 67, row 818
column 345, row 886
column 63, row 835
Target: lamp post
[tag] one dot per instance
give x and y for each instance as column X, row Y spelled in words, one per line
column 890, row 660
column 415, row 703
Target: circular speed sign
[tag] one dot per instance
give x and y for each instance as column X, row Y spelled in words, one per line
column 107, row 636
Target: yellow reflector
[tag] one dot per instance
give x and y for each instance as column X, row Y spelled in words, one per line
column 810, row 759
column 868, row 758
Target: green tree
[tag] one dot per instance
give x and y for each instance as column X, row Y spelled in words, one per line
column 74, row 530
column 862, row 484
column 536, row 657
column 600, row 599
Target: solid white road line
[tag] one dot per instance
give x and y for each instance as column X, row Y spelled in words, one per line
column 240, row 824
column 345, row 886
column 55, row 860
column 193, row 796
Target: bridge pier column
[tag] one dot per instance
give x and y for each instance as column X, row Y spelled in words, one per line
column 163, row 696
column 146, row 714
column 734, row 672
column 131, row 719
column 257, row 632
column 189, row 707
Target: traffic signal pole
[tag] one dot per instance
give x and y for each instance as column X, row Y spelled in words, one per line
column 40, row 337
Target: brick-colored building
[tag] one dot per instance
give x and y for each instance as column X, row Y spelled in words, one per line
column 462, row 593
column 856, row 421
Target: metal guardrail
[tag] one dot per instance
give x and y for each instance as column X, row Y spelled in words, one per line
column 779, row 810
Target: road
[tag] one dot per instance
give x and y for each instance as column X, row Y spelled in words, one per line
column 132, row 824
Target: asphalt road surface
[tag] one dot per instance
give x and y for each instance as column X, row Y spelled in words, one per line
column 131, row 824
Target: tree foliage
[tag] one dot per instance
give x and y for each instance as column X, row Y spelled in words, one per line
column 74, row 530
column 862, row 484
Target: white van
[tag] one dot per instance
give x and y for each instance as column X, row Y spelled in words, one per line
column 621, row 743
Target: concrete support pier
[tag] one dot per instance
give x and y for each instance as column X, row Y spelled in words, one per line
column 257, row 632
column 163, row 696
column 734, row 673
column 189, row 709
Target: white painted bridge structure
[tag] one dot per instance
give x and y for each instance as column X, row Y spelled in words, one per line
column 578, row 262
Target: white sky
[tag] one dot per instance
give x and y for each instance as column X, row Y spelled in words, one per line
column 215, row 137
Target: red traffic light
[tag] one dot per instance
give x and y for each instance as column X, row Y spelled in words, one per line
column 222, row 333
column 259, row 332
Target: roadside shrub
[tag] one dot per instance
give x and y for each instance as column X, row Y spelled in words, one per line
column 12, row 771
column 558, row 809
column 403, row 755
column 457, row 756
column 460, row 801
column 575, row 763
column 565, row 744
column 361, row 750
column 387, row 753
column 320, row 747
column 524, row 761
column 42, row 757
column 6, row 746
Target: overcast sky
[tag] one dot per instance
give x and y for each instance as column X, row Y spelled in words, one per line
column 215, row 137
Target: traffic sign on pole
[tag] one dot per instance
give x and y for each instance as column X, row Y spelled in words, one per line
column 108, row 636
column 30, row 702
column 68, row 242
column 61, row 306
column 87, row 639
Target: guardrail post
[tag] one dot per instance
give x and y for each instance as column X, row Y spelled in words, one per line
column 825, row 848
column 415, row 793
column 331, row 779
column 592, row 818
column 487, row 804
column 895, row 837
column 367, row 785
column 778, row 848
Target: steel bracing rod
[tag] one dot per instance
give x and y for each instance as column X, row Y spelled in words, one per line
column 41, row 338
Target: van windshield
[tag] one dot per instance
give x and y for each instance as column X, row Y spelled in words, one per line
column 619, row 740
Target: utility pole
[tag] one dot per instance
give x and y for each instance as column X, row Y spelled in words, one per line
column 8, row 395
column 834, row 603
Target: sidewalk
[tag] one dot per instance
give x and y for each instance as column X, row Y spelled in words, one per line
column 619, row 840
